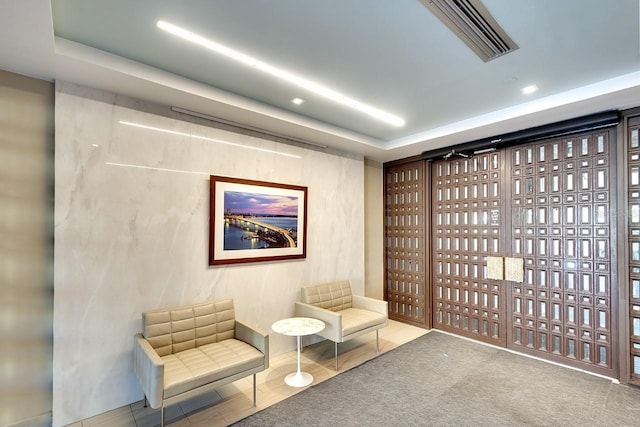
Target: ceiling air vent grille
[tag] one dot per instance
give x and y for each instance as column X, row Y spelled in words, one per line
column 474, row 25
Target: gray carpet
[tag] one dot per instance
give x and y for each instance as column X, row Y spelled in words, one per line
column 442, row 380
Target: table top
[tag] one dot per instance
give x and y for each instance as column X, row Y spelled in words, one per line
column 298, row 326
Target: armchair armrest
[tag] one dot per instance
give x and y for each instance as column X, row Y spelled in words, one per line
column 149, row 368
column 371, row 304
column 331, row 319
column 255, row 338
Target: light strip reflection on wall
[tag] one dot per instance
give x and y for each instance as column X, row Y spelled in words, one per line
column 281, row 74
column 126, row 165
column 205, row 138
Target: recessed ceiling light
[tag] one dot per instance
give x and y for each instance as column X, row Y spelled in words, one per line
column 282, row 74
column 297, row 101
column 528, row 90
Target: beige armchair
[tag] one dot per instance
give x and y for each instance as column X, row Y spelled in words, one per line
column 189, row 350
column 346, row 316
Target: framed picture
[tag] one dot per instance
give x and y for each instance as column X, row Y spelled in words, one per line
column 251, row 221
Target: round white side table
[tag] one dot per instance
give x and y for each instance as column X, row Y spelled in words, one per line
column 298, row 327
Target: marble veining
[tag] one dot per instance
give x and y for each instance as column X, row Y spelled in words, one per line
column 298, row 326
column 131, row 234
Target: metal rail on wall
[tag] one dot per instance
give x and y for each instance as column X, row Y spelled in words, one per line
column 565, row 127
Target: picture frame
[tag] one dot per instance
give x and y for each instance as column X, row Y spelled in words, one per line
column 256, row 221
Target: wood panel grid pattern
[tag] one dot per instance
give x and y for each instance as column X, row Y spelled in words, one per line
column 405, row 255
column 466, row 228
column 560, row 225
column 633, row 156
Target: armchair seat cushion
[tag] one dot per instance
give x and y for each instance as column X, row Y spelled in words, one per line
column 357, row 319
column 198, row 366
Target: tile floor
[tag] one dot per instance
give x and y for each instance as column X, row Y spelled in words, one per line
column 233, row 402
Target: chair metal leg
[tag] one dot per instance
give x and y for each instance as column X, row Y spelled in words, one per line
column 336, row 353
column 146, row 401
column 162, row 415
column 254, row 390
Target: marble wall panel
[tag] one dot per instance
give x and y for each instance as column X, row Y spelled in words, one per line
column 131, row 234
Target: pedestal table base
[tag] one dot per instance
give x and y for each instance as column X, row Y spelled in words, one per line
column 298, row 379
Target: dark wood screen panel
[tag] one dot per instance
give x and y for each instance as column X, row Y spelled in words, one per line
column 633, row 156
column 405, row 239
column 466, row 228
column 561, row 225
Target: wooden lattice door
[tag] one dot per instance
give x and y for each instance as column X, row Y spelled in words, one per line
column 467, row 216
column 633, row 160
column 562, row 225
column 405, row 240
column 551, row 206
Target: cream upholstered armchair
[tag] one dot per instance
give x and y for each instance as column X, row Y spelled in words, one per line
column 189, row 350
column 346, row 316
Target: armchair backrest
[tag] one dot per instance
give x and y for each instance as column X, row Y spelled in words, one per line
column 171, row 330
column 334, row 296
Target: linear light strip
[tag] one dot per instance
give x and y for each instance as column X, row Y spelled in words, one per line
column 287, row 76
column 219, row 141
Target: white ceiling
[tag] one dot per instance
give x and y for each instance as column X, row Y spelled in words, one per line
column 395, row 55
